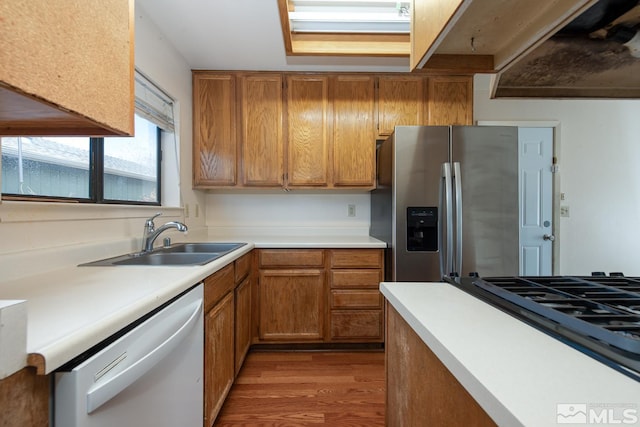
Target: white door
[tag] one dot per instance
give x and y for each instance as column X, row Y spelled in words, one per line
column 536, row 201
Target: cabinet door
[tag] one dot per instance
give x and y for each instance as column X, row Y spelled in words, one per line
column 214, row 130
column 353, row 131
column 450, row 100
column 401, row 102
column 243, row 321
column 308, row 130
column 356, row 258
column 290, row 258
column 357, row 325
column 262, row 143
column 67, row 67
column 291, row 305
column 218, row 356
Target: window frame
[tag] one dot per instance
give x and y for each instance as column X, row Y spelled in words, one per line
column 100, row 176
column 96, row 180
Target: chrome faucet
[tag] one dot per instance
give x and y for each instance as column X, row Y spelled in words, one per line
column 151, row 233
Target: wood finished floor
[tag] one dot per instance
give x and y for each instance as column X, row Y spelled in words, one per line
column 338, row 389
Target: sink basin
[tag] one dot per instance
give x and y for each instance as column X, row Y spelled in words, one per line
column 202, row 247
column 179, row 254
column 170, row 258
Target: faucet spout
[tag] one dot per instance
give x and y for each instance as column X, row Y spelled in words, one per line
column 151, row 233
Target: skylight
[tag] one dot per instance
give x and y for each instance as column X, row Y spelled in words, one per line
column 346, row 27
column 349, row 16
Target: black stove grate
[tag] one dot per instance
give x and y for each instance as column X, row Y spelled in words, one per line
column 599, row 313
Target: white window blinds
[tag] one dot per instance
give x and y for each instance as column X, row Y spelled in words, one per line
column 153, row 103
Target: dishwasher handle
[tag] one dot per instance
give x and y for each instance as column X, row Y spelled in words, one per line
column 101, row 393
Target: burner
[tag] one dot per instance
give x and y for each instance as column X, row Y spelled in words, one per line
column 599, row 315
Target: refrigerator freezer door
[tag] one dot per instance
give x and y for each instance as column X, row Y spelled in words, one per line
column 419, row 154
column 488, row 158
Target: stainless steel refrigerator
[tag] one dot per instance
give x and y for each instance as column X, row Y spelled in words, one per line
column 446, row 202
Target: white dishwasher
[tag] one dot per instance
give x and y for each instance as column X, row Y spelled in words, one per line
column 149, row 376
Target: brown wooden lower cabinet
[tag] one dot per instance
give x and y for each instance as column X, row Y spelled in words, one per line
column 421, row 391
column 291, row 305
column 242, row 322
column 320, row 296
column 24, row 399
column 227, row 331
column 357, row 313
column 218, row 356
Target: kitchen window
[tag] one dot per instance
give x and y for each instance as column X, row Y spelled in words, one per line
column 124, row 170
column 100, row 170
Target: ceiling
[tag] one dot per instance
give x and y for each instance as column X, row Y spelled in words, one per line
column 247, row 35
column 243, row 35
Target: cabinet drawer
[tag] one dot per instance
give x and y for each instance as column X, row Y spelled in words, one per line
column 217, row 285
column 291, row 258
column 242, row 266
column 356, row 324
column 356, row 299
column 365, row 278
column 356, row 258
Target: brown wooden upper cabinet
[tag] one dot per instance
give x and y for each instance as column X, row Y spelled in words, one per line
column 214, row 129
column 310, row 130
column 237, row 130
column 261, row 123
column 330, row 120
column 450, row 101
column 353, row 131
column 401, row 101
column 53, row 78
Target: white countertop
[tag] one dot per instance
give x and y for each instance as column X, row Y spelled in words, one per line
column 70, row 308
column 516, row 373
column 359, row 242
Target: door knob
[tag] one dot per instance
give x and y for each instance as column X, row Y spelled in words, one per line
column 549, row 237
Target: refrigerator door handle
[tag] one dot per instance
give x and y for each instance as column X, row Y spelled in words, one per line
column 457, row 177
column 446, row 208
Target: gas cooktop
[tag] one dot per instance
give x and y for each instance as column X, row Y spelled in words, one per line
column 598, row 315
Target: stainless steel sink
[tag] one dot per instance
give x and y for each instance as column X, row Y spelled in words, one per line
column 202, row 247
column 179, row 254
column 171, row 258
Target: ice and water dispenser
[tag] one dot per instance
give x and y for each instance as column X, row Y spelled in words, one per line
column 422, row 229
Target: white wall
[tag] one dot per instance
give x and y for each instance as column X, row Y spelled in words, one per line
column 599, row 158
column 157, row 59
column 27, row 226
column 292, row 213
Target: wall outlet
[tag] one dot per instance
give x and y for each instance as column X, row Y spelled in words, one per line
column 351, row 210
column 564, row 211
column 186, row 210
column 197, row 210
